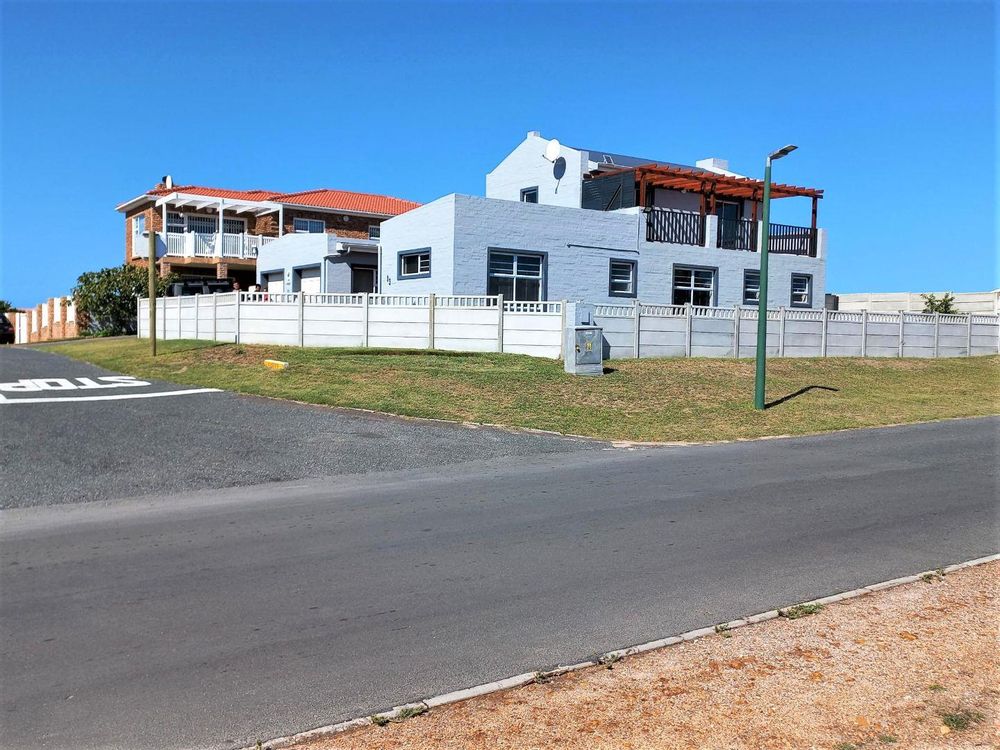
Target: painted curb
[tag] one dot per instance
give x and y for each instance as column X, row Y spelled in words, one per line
column 608, row 658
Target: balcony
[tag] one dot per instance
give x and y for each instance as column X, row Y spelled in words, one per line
column 689, row 228
column 201, row 245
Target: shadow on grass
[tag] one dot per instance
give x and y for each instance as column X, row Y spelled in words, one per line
column 799, row 392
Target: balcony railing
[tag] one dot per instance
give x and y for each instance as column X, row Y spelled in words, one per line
column 737, row 234
column 688, row 228
column 200, row 245
column 792, row 240
column 676, row 227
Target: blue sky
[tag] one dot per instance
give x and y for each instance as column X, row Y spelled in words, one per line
column 891, row 104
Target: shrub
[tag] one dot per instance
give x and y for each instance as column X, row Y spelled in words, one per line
column 105, row 299
column 945, row 305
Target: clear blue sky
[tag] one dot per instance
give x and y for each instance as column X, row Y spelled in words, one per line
column 892, row 106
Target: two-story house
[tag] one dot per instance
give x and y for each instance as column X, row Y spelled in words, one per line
column 186, row 221
column 567, row 223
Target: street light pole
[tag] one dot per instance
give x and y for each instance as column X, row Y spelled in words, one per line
column 761, row 353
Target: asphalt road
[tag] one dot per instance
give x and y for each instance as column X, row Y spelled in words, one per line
column 64, row 451
column 214, row 618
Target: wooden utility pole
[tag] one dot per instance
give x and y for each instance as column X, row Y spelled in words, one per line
column 151, row 265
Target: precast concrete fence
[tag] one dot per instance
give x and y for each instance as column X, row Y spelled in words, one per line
column 490, row 324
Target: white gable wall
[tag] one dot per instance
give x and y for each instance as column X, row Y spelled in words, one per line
column 558, row 184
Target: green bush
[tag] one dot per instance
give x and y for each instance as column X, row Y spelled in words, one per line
column 945, row 305
column 105, row 299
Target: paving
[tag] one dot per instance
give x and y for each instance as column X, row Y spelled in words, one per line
column 63, row 450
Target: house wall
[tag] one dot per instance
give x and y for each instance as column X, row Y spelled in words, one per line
column 295, row 251
column 578, row 245
column 558, row 184
column 432, row 225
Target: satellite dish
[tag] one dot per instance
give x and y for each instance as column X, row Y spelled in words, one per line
column 552, row 150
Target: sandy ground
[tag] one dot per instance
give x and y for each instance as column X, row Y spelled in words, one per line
column 889, row 670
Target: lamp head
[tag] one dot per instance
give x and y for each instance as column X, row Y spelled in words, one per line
column 783, row 151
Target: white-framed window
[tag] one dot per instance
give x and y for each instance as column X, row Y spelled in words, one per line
column 621, row 278
column 202, row 224
column 694, row 285
column 751, row 287
column 802, row 290
column 139, row 224
column 529, row 195
column 175, row 223
column 374, row 231
column 517, row 276
column 415, row 264
column 234, row 226
column 309, row 226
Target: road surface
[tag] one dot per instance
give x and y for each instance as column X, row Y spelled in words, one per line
column 213, row 618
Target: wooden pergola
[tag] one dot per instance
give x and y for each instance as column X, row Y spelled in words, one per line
column 709, row 186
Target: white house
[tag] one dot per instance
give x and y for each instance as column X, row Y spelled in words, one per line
column 565, row 223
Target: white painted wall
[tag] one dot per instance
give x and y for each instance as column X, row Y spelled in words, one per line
column 473, row 323
column 966, row 302
column 558, row 184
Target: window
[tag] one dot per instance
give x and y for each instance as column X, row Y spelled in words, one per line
column 517, row 276
column 751, row 287
column 374, row 231
column 203, row 224
column 310, row 226
column 175, row 223
column 234, row 226
column 529, row 195
column 416, row 264
column 621, row 279
column 694, row 285
column 802, row 290
column 139, row 224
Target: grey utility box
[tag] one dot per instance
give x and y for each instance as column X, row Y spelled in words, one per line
column 584, row 350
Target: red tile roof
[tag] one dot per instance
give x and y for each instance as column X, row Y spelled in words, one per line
column 342, row 200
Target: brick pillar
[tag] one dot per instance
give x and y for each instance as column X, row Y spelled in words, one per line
column 164, row 268
column 221, row 270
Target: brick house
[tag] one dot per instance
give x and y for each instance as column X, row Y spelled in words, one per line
column 185, row 222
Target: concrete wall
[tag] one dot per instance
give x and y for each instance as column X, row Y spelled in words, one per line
column 559, row 183
column 578, row 245
column 432, row 225
column 455, row 323
column 677, row 331
column 966, row 302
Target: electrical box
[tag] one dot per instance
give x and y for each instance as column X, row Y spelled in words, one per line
column 585, row 350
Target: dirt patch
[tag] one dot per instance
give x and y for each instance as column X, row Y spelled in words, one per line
column 911, row 667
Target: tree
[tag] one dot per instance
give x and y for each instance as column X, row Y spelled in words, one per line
column 945, row 305
column 105, row 299
column 6, row 307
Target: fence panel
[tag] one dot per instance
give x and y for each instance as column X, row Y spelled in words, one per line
column 470, row 323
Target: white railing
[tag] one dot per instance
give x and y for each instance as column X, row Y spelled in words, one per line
column 200, row 245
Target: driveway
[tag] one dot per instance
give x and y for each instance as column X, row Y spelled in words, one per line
column 66, row 436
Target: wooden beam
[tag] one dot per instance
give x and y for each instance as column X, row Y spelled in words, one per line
column 815, row 201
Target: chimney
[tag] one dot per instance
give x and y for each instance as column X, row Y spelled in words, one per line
column 713, row 163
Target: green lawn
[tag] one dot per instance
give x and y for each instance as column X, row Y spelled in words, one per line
column 646, row 400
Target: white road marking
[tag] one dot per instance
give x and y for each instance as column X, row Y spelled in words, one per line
column 115, row 397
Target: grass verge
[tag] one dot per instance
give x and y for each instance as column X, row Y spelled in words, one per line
column 643, row 400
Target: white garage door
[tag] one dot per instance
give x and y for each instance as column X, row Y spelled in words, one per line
column 274, row 282
column 309, row 281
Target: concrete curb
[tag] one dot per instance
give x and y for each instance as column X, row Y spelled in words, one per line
column 607, row 658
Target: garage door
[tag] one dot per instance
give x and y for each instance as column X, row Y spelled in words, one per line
column 309, row 280
column 274, row 282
